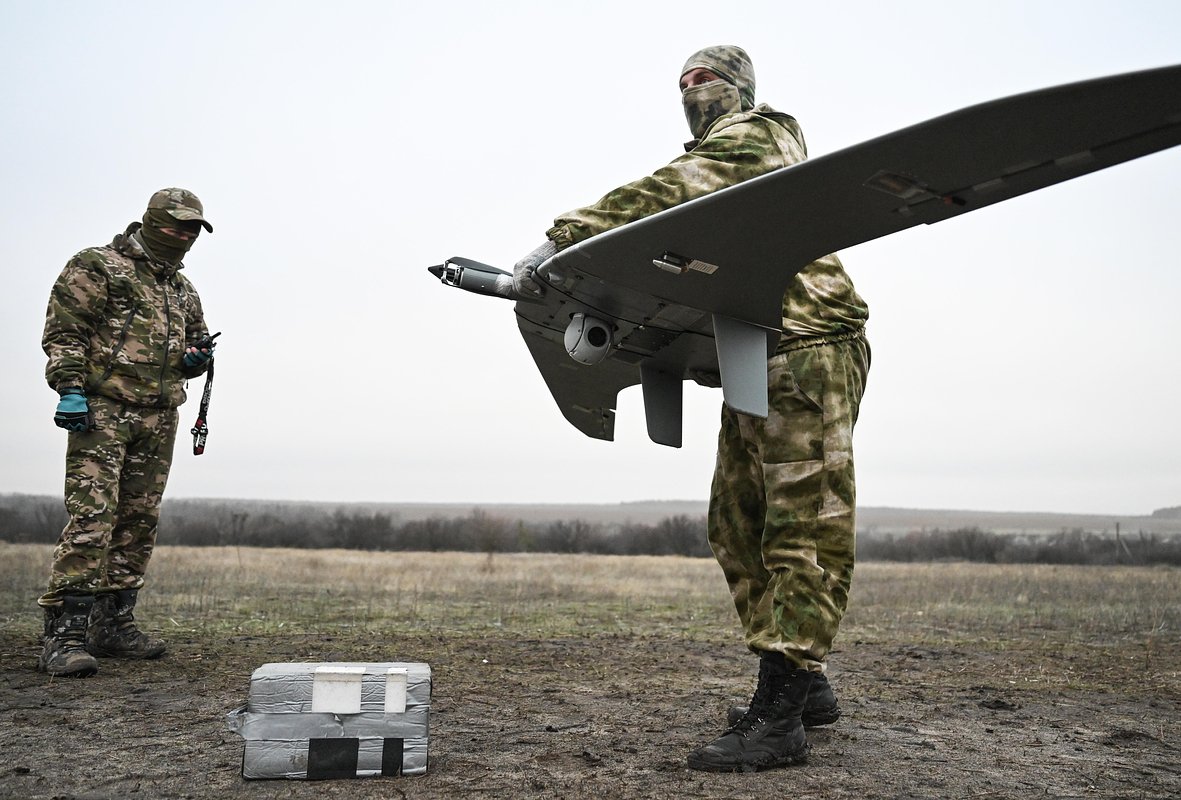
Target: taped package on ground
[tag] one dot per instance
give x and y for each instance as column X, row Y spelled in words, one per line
column 317, row 721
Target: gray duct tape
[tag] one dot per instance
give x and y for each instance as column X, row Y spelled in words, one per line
column 252, row 725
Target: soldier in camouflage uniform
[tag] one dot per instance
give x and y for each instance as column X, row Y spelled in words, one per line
column 120, row 332
column 781, row 515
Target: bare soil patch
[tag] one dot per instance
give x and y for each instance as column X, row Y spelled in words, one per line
column 929, row 711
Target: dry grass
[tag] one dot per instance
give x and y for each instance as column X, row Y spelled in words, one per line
column 215, row 590
column 977, row 601
column 592, row 676
column 304, row 591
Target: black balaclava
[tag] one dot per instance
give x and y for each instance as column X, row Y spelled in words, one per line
column 734, row 92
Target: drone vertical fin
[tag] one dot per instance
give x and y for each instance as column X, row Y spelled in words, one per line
column 742, row 362
column 663, row 403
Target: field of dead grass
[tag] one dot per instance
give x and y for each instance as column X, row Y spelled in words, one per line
column 269, row 590
column 545, row 666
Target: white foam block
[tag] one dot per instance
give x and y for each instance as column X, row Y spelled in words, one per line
column 395, row 690
column 337, row 689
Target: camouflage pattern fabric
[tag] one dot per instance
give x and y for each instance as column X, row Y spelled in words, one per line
column 705, row 103
column 118, row 324
column 731, row 64
column 181, row 204
column 116, row 327
column 820, row 300
column 782, row 506
column 115, row 477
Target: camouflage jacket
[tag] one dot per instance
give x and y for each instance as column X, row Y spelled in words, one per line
column 118, row 325
column 820, row 300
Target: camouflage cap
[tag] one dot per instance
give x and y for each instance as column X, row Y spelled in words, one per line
column 731, row 64
column 180, row 204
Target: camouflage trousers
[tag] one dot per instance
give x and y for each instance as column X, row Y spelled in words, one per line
column 782, row 506
column 115, row 476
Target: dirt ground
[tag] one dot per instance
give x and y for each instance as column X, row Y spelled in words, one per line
column 604, row 717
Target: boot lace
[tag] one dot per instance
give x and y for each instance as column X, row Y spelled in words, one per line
column 123, row 625
column 767, row 693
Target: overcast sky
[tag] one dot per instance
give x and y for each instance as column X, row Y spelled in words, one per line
column 1024, row 356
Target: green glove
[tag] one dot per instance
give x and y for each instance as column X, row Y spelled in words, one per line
column 195, row 357
column 73, row 412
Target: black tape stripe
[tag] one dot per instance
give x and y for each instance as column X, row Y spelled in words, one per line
column 392, row 751
column 332, row 758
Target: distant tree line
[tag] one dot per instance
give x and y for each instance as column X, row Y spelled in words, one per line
column 478, row 531
column 29, row 518
column 206, row 523
column 1074, row 546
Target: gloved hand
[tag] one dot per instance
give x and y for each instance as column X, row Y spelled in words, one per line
column 194, row 357
column 523, row 283
column 73, row 412
column 706, row 378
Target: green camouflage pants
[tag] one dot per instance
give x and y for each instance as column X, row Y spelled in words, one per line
column 115, row 478
column 782, row 507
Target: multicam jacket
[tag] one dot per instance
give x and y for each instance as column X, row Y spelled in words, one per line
column 118, row 325
column 821, row 300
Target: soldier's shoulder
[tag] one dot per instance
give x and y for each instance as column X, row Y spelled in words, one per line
column 761, row 117
column 764, row 122
column 736, row 119
column 186, row 282
column 92, row 257
column 101, row 262
column 99, row 254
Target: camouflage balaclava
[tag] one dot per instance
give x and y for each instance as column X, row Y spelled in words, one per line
column 177, row 209
column 735, row 92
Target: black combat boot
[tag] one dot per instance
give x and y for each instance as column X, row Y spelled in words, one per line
column 64, row 650
column 112, row 629
column 820, row 708
column 770, row 733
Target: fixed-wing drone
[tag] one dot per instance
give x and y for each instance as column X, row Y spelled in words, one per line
column 698, row 288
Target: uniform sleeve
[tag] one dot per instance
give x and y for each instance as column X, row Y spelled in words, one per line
column 744, row 149
column 76, row 303
column 195, row 329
